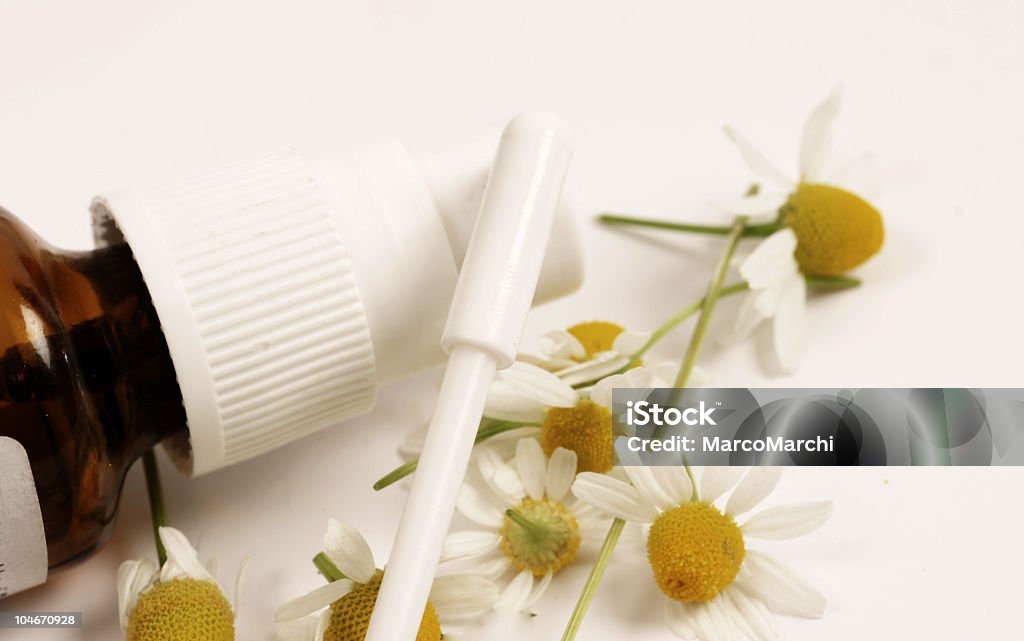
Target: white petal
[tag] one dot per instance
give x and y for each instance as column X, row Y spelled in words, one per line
column 506, row 404
column 516, row 593
column 212, row 567
column 722, row 613
column 182, row 558
column 757, row 161
column 751, row 615
column 470, row 543
column 678, row 616
column 601, row 392
column 323, row 622
column 755, row 486
column 601, row 365
column 643, row 479
column 771, row 261
column 538, row 384
column 243, row 572
column 532, row 467
column 501, row 477
column 665, row 373
column 817, row 137
column 716, row 481
column 644, row 377
column 640, row 379
column 538, row 590
column 475, row 507
column 787, row 521
column 302, row 629
column 708, row 622
column 748, row 318
column 132, row 578
column 614, row 497
column 462, row 595
column 768, row 299
column 494, row 568
column 349, row 551
column 561, row 473
column 544, row 362
column 674, row 480
column 629, row 342
column 321, row 597
column 699, row 377
column 504, row 443
column 412, row 444
column 788, row 327
column 780, row 588
column 562, row 344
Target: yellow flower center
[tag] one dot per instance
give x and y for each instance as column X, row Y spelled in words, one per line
column 585, row 429
column 836, row 230
column 595, row 336
column 695, row 552
column 181, row 609
column 350, row 615
column 544, row 537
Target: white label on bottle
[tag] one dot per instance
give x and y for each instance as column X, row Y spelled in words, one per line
column 23, row 558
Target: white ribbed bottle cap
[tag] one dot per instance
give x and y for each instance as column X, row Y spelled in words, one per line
column 289, row 287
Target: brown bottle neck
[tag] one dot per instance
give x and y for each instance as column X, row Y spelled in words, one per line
column 123, row 352
column 91, row 346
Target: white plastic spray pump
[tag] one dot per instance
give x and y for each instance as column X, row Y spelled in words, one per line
column 486, row 319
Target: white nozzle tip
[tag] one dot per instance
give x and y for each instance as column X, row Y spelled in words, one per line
column 532, row 122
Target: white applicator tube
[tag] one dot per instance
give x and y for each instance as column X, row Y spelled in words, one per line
column 495, row 288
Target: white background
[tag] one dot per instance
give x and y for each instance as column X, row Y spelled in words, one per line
column 107, row 94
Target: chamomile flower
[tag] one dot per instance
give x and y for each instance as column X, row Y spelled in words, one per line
column 538, row 392
column 577, row 420
column 715, row 585
column 529, row 526
column 180, row 600
column 588, row 351
column 524, row 392
column 567, row 418
column 836, row 230
column 822, row 230
column 346, row 604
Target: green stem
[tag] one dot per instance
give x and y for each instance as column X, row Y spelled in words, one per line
column 834, row 283
column 535, row 531
column 593, row 580
column 710, row 299
column 753, row 231
column 156, row 502
column 664, row 329
column 815, row 282
column 825, row 283
column 489, row 428
column 683, row 314
column 327, row 568
column 397, row 474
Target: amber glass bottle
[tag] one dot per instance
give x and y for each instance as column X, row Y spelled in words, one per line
column 86, row 387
